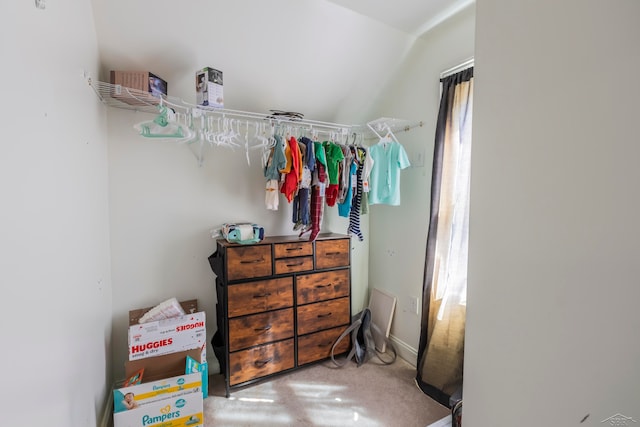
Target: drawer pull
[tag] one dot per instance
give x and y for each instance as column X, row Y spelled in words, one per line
column 266, row 294
column 320, row 316
column 328, row 285
column 253, row 261
column 326, row 344
column 262, row 363
column 262, row 330
column 299, row 248
column 333, row 253
column 295, row 264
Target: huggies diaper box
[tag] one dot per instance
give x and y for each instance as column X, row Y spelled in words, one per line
column 170, row 402
column 168, row 336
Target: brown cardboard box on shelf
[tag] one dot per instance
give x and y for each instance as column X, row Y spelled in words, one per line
column 189, row 306
column 137, row 87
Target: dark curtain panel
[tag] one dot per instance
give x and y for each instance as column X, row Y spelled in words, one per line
column 441, row 347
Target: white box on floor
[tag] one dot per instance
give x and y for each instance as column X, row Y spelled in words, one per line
column 168, row 336
column 169, row 402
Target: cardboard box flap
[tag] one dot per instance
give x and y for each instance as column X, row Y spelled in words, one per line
column 160, row 367
column 189, row 306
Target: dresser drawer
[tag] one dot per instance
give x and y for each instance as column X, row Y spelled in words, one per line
column 260, row 361
column 287, row 250
column 293, row 265
column 318, row 346
column 260, row 328
column 244, row 262
column 332, row 253
column 323, row 286
column 256, row 297
column 323, row 315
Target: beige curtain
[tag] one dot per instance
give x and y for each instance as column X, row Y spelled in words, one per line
column 441, row 349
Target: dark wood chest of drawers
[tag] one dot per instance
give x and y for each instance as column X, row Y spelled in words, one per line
column 282, row 303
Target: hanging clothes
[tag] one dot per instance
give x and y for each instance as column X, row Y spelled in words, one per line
column 344, row 173
column 296, row 214
column 354, row 214
column 334, row 156
column 318, row 187
column 320, row 154
column 367, row 165
column 349, row 174
column 291, row 179
column 389, row 159
column 276, row 162
column 271, row 198
column 301, row 202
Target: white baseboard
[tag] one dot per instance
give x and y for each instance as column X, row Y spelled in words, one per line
column 405, row 351
column 107, row 412
column 445, row 422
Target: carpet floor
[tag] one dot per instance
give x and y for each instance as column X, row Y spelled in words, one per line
column 326, row 396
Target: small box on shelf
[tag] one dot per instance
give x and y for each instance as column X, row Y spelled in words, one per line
column 209, row 87
column 145, row 87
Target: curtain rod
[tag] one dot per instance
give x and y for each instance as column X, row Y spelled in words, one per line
column 466, row 64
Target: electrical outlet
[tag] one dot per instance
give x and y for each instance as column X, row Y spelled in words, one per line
column 414, row 305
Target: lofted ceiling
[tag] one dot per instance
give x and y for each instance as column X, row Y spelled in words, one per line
column 414, row 17
column 330, row 59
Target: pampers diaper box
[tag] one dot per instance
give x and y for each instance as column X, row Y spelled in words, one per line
column 170, row 402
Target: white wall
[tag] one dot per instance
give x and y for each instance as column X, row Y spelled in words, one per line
column 54, row 245
column 399, row 233
column 314, row 57
column 553, row 319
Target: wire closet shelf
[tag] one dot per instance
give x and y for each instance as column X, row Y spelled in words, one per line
column 202, row 117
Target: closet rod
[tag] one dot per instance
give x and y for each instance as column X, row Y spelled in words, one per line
column 132, row 99
column 383, row 123
column 449, row 71
column 123, row 97
column 259, row 116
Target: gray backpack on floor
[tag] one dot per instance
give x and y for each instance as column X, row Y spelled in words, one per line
column 363, row 346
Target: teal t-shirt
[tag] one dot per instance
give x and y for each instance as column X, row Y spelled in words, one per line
column 389, row 158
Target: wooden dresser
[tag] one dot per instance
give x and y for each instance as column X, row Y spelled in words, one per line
column 282, row 303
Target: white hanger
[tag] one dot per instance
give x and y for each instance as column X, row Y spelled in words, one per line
column 246, row 143
column 374, row 131
column 390, row 134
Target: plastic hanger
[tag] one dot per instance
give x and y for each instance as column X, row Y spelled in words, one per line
column 374, row 131
column 246, row 143
column 164, row 125
column 390, row 134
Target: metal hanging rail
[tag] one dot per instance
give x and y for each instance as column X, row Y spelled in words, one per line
column 202, row 118
column 123, row 97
